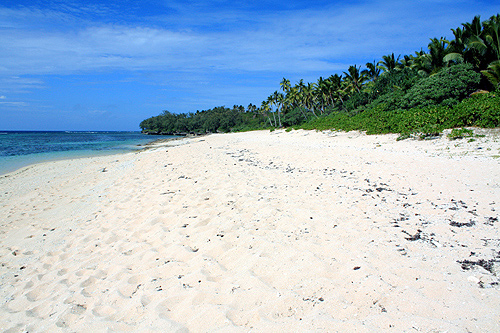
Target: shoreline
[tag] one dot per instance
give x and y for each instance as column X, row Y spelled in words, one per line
column 20, row 162
column 263, row 231
column 27, row 162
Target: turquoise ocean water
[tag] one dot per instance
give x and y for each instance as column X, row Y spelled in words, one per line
column 23, row 148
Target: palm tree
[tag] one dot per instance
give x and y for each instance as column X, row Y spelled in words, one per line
column 270, row 102
column 285, row 85
column 492, row 35
column 294, row 98
column 388, row 63
column 475, row 47
column 474, row 28
column 406, row 62
column 420, row 62
column 458, row 44
column 457, row 47
column 334, row 85
column 372, row 71
column 251, row 108
column 300, row 94
column 309, row 97
column 323, row 93
column 493, row 73
column 438, row 49
column 477, row 43
column 354, row 78
column 285, row 104
column 265, row 110
column 278, row 99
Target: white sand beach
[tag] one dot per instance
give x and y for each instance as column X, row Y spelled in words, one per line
column 259, row 231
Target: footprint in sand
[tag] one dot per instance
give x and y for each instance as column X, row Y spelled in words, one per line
column 104, row 311
column 64, row 256
column 38, row 293
column 145, row 300
column 48, row 309
column 88, row 282
column 137, row 279
column 128, row 290
column 21, row 327
column 71, row 315
column 29, row 285
column 163, row 309
column 113, row 238
column 18, row 304
column 100, row 274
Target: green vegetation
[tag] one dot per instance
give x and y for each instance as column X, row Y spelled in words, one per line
column 460, row 133
column 454, row 85
column 219, row 119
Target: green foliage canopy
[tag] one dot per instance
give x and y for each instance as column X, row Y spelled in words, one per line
column 448, row 87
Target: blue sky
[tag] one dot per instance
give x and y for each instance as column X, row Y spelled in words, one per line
column 107, row 65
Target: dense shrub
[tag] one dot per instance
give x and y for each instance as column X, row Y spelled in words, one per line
column 400, row 80
column 218, row 119
column 429, row 120
column 294, row 117
column 481, row 110
column 448, row 87
column 356, row 100
column 373, row 120
column 391, row 86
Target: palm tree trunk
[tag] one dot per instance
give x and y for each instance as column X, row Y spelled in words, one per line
column 314, row 113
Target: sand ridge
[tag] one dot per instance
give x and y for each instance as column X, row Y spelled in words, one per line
column 257, row 231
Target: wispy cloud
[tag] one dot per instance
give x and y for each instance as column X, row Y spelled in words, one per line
column 14, row 104
column 17, row 84
column 97, row 112
column 323, row 39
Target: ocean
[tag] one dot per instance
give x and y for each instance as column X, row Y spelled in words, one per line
column 22, row 148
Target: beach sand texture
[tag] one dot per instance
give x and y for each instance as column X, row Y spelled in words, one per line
column 259, row 231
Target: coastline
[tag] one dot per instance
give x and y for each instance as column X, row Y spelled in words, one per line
column 261, row 231
column 9, row 164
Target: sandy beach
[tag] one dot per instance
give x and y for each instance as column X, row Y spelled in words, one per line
column 259, row 231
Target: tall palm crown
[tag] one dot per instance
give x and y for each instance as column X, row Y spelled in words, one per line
column 372, row 71
column 354, row 78
column 388, row 63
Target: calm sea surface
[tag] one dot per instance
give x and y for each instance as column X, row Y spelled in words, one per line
column 19, row 149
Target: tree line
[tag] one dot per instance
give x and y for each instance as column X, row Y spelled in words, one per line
column 443, row 76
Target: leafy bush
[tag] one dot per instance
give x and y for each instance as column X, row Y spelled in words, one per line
column 390, row 100
column 390, row 87
column 400, row 80
column 460, row 133
column 294, row 117
column 356, row 100
column 448, row 87
column 430, row 120
column 481, row 110
column 374, row 120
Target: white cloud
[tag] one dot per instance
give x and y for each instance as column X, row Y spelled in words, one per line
column 323, row 39
column 97, row 112
column 14, row 104
column 316, row 40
